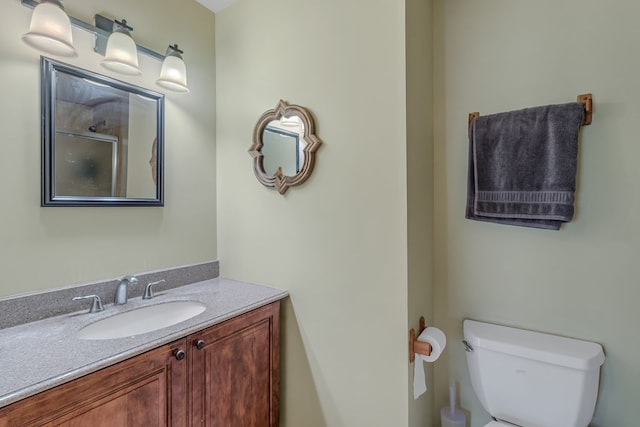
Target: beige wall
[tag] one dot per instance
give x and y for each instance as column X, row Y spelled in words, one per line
column 76, row 245
column 498, row 55
column 419, row 39
column 338, row 243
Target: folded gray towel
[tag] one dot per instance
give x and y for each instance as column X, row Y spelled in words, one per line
column 522, row 166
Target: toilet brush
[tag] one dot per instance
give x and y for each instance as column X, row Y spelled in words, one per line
column 450, row 416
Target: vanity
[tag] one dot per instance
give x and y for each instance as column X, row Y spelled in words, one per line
column 217, row 368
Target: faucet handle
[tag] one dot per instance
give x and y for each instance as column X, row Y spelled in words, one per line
column 132, row 280
column 96, row 305
column 148, row 292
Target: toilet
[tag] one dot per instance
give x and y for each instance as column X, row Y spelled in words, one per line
column 530, row 379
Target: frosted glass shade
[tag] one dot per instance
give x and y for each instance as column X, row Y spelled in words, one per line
column 173, row 74
column 121, row 55
column 50, row 30
column 290, row 122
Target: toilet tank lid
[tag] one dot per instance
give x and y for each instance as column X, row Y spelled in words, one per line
column 554, row 349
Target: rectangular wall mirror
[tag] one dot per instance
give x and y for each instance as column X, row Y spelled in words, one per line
column 102, row 140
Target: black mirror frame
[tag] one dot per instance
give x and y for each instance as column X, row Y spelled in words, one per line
column 48, row 98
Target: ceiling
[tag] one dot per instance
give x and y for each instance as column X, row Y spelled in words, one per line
column 216, row 5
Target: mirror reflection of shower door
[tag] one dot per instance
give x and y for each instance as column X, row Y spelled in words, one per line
column 280, row 150
column 86, row 164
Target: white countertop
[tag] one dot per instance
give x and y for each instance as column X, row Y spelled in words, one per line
column 40, row 355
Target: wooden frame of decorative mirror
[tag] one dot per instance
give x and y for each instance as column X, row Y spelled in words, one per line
column 305, row 156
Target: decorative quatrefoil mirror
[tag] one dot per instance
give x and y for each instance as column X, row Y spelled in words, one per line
column 284, row 146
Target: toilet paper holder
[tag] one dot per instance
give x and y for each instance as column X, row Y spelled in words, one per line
column 416, row 346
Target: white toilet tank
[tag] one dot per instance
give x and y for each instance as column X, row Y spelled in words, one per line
column 533, row 379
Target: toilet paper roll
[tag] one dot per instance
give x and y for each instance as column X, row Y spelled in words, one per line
column 438, row 341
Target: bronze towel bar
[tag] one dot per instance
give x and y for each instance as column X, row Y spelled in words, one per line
column 585, row 99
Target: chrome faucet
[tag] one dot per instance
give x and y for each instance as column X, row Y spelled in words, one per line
column 122, row 289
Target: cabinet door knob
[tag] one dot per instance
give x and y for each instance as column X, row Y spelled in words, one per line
column 179, row 354
column 200, row 344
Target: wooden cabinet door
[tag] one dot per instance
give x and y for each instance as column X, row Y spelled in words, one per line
column 235, row 375
column 147, row 390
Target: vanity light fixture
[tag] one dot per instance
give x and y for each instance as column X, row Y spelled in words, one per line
column 121, row 54
column 290, row 122
column 50, row 29
column 173, row 75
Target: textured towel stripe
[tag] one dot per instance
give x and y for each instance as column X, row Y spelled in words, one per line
column 558, row 197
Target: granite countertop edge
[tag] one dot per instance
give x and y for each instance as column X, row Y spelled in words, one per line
column 60, row 356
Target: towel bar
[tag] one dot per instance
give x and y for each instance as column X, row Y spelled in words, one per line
column 586, row 99
column 416, row 346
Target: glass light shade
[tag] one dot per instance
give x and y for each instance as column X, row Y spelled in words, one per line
column 290, row 122
column 50, row 30
column 173, row 74
column 121, row 55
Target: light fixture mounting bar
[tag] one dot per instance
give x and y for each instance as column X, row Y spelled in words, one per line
column 102, row 30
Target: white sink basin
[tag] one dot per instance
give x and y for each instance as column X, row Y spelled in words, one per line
column 141, row 320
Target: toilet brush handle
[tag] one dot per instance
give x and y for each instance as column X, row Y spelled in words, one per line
column 452, row 397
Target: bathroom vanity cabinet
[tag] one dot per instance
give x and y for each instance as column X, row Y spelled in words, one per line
column 225, row 375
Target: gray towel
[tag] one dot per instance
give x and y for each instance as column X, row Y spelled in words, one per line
column 522, row 166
